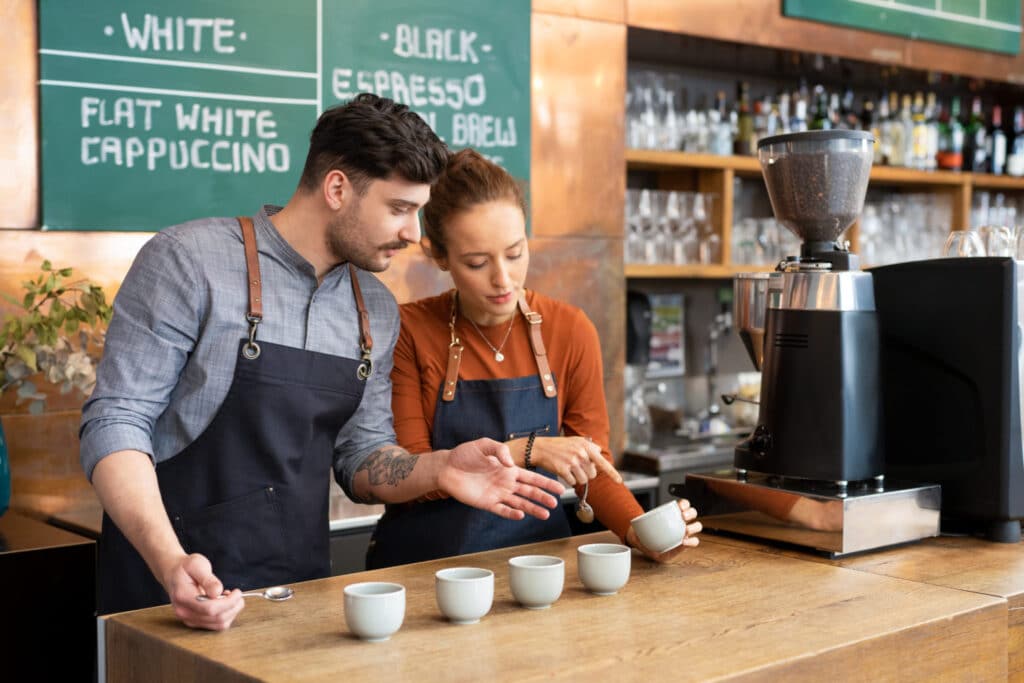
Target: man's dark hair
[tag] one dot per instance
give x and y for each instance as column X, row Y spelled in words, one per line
column 371, row 138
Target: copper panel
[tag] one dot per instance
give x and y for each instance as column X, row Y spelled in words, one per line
column 760, row 22
column 602, row 10
column 19, row 111
column 578, row 151
column 587, row 272
column 413, row 276
column 45, row 470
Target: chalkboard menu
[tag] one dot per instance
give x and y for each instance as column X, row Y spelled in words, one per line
column 993, row 25
column 154, row 113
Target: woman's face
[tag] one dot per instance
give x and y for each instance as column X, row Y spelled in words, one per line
column 488, row 259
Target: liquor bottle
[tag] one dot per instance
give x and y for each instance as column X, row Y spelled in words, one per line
column 820, row 120
column 899, row 132
column 745, row 122
column 997, row 162
column 932, row 110
column 784, row 118
column 884, row 130
column 721, row 127
column 919, row 134
column 1015, row 159
column 951, row 139
column 847, row 115
column 975, row 140
column 798, row 123
column 833, row 111
column 870, row 123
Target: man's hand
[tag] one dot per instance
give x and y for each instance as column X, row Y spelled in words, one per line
column 481, row 473
column 191, row 577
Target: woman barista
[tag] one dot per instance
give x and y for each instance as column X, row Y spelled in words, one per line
column 492, row 359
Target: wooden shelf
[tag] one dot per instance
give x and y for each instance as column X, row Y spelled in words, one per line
column 656, row 160
column 639, row 271
column 987, row 181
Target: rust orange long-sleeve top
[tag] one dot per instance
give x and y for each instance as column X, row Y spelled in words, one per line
column 574, row 353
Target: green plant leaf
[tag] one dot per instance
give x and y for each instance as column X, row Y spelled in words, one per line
column 47, row 265
column 10, row 299
column 65, row 272
column 29, row 298
column 28, row 356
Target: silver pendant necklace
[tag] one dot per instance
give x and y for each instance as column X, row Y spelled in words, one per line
column 498, row 355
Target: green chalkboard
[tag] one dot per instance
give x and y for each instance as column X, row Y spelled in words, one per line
column 993, row 25
column 157, row 112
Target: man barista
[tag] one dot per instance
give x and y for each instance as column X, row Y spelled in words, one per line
column 248, row 357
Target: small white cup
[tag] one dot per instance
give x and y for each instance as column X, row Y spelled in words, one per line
column 374, row 610
column 464, row 594
column 536, row 580
column 604, row 567
column 662, row 528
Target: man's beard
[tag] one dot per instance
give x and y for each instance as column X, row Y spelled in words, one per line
column 344, row 239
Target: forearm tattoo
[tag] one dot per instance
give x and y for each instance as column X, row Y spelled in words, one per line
column 389, row 465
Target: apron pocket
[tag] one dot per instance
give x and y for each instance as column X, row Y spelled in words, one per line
column 243, row 537
column 539, row 431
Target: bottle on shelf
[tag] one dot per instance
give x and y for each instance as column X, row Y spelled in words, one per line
column 932, row 110
column 821, row 119
column 1015, row 158
column 798, row 123
column 721, row 127
column 951, row 139
column 870, row 123
column 919, row 134
column 975, row 140
column 898, row 132
column 744, row 122
column 997, row 160
column 884, row 130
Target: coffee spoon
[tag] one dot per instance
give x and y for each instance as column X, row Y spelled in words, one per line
column 584, row 512
column 274, row 593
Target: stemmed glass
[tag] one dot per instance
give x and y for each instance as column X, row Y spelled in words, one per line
column 963, row 243
column 997, row 240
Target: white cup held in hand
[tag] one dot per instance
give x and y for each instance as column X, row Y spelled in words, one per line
column 374, row 610
column 464, row 594
column 536, row 580
column 662, row 528
column 604, row 567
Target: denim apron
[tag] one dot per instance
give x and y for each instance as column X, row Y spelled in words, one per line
column 501, row 409
column 251, row 492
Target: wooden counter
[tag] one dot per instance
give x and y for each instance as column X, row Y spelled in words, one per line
column 964, row 563
column 723, row 612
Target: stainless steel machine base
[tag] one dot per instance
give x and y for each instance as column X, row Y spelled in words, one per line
column 868, row 515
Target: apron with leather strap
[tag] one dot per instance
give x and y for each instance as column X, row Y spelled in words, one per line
column 501, row 409
column 251, row 492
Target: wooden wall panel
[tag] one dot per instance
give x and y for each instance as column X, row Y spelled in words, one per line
column 760, row 22
column 578, row 145
column 19, row 116
column 601, row 10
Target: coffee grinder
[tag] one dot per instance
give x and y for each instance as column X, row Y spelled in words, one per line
column 814, row 463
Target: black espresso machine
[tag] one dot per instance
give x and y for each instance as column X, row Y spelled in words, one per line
column 813, row 471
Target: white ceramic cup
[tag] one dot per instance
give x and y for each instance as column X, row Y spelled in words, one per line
column 374, row 610
column 464, row 594
column 604, row 567
column 536, row 580
column 662, row 528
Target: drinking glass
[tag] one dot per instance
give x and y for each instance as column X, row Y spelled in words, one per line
column 963, row 243
column 997, row 240
column 710, row 240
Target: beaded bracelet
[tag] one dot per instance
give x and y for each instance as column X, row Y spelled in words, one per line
column 529, row 449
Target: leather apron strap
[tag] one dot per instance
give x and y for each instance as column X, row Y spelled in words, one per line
column 455, row 348
column 539, row 352
column 255, row 315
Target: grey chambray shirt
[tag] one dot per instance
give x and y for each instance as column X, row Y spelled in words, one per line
column 179, row 317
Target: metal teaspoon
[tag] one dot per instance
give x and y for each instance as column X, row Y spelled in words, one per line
column 584, row 512
column 274, row 594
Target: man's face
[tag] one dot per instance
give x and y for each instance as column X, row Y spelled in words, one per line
column 372, row 227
